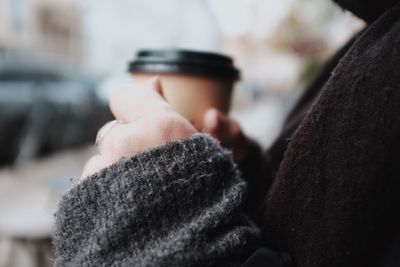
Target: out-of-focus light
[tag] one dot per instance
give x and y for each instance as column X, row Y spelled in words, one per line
column 234, row 18
column 259, row 18
column 268, row 14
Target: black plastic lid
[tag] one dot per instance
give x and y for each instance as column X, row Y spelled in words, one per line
column 184, row 61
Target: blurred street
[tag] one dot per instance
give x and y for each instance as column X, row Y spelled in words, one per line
column 61, row 59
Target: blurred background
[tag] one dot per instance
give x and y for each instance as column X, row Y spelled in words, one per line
column 61, row 59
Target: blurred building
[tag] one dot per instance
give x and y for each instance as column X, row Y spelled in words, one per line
column 45, row 106
column 49, row 29
column 115, row 30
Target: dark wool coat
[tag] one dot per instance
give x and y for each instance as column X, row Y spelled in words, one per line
column 331, row 182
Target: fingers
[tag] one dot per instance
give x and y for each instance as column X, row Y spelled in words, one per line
column 143, row 121
column 103, row 130
column 134, row 101
column 220, row 126
column 116, row 143
column 228, row 132
column 121, row 141
column 125, row 140
column 211, row 122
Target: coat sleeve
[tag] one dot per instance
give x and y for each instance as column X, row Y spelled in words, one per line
column 177, row 205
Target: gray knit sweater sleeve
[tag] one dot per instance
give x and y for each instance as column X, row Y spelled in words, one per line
column 176, row 205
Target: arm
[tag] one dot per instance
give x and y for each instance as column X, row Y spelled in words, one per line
column 157, row 194
column 179, row 204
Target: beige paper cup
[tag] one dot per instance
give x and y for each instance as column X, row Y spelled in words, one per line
column 192, row 82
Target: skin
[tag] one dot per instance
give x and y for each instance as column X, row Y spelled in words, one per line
column 147, row 121
column 228, row 132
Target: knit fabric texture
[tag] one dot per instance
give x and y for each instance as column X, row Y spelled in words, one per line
column 176, row 205
column 335, row 200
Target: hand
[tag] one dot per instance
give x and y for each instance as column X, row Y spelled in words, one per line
column 145, row 120
column 228, row 132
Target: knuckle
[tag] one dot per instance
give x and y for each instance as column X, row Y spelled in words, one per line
column 171, row 125
column 122, row 141
column 168, row 120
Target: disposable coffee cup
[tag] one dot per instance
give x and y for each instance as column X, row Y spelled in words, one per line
column 192, row 82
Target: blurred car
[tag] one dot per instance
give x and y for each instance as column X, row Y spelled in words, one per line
column 44, row 109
